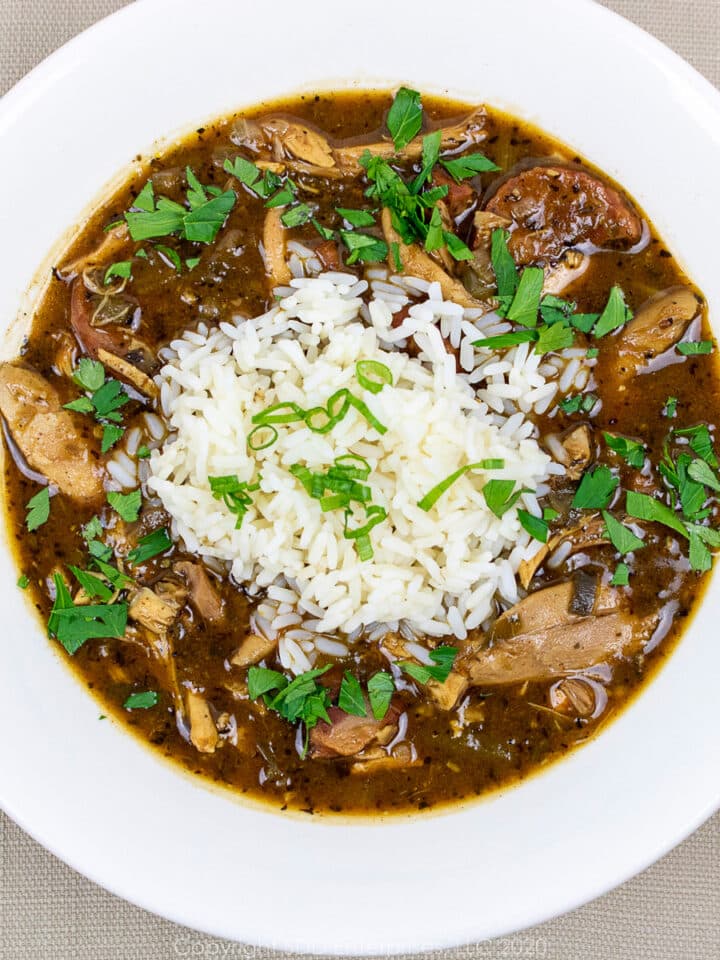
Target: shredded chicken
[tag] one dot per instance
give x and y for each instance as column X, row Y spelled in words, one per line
column 274, row 249
column 56, row 443
column 203, row 595
column 253, row 649
column 203, row 732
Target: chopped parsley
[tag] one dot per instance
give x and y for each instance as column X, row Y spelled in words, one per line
column 596, row 489
column 621, row 577
column 105, row 400
column 632, row 451
column 381, row 688
column 443, row 658
column 152, row 217
column 142, row 700
column 469, row 165
column 38, row 509
column 405, row 117
column 580, row 403
column 501, row 496
column 670, row 409
column 23, row 581
column 620, row 536
column 616, row 314
column 123, row 269
column 363, row 247
column 73, row 625
column 126, row 504
column 302, row 700
column 235, row 494
column 694, row 348
column 537, row 527
column 150, row 546
column 356, row 218
column 351, row 699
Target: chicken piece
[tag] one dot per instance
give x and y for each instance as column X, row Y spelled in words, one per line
column 253, row 649
column 467, row 131
column 448, row 693
column 203, row 732
column 583, row 536
column 555, row 207
column 54, row 442
column 561, row 275
column 300, row 141
column 153, row 611
column 346, row 735
column 375, row 759
column 656, row 327
column 114, row 246
column 416, row 263
column 578, row 450
column 274, row 249
column 128, row 373
column 203, row 595
column 540, row 638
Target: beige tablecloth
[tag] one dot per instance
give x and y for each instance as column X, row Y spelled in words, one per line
column 671, row 912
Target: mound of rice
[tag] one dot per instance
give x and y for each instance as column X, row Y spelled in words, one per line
column 438, row 572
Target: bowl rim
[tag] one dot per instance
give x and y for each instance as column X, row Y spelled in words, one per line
column 20, row 99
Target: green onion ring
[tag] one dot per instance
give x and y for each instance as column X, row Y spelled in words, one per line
column 262, row 446
column 373, row 375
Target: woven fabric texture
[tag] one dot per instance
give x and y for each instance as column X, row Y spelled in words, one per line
column 671, row 912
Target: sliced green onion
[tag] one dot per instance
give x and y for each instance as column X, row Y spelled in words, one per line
column 338, row 404
column 364, row 548
column 346, row 462
column 336, row 502
column 319, row 420
column 303, row 475
column 279, row 413
column 432, row 496
column 258, row 444
column 373, row 375
column 374, row 514
column 365, row 411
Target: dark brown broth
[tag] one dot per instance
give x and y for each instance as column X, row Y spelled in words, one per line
column 518, row 733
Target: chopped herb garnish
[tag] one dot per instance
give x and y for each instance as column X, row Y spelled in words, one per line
column 469, row 165
column 554, row 338
column 432, row 496
column 92, row 585
column 596, row 489
column 235, row 494
column 110, row 436
column 363, row 247
column 502, row 340
column 373, row 375
column 296, row 216
column 694, row 348
column 615, row 314
column 324, row 232
column 356, row 218
column 622, row 538
column 143, row 452
column 123, row 269
column 501, row 496
column 592, row 353
column 434, row 239
column 153, row 217
column 126, row 504
column 150, row 546
column 172, row 257
column 72, row 625
column 443, row 658
column 351, row 699
column 632, row 451
column 23, row 581
column 670, row 409
column 644, row 507
column 302, row 700
column 381, row 688
column 430, row 155
column 621, row 577
column 580, row 403
column 192, row 262
column 89, row 374
column 537, row 527
column 141, row 701
column 700, row 442
column 404, row 119
column 38, row 509
column 549, row 514
column 506, row 274
column 526, row 303
column 699, row 471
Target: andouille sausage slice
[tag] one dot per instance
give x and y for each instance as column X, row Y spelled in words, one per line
column 554, row 208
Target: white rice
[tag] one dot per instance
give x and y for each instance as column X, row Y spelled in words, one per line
column 436, row 573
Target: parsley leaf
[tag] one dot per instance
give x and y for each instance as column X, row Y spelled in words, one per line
column 615, row 314
column 596, row 489
column 356, row 218
column 623, row 539
column 502, row 340
column 262, row 680
column 430, row 154
column 92, row 585
column 126, row 504
column 123, row 269
column 443, row 658
column 537, row 527
column 363, row 247
column 694, row 348
column 526, row 302
column 621, row 577
column 554, row 338
column 110, row 436
column 38, row 509
column 506, row 275
column 72, row 625
column 499, row 495
column 381, row 688
column 700, row 442
column 644, row 507
column 89, row 374
column 296, row 216
column 151, row 217
column 351, row 699
column 670, row 407
column 462, row 168
column 404, row 119
column 631, row 451
column 150, row 546
column 580, row 403
column 142, row 700
column 23, row 581
column 434, row 239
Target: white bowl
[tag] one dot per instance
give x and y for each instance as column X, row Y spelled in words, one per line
column 87, row 790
